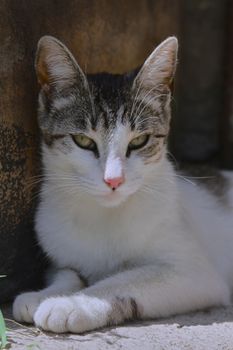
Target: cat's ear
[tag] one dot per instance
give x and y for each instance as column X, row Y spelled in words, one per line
column 55, row 66
column 159, row 68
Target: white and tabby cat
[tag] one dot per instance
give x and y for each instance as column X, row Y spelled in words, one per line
column 127, row 237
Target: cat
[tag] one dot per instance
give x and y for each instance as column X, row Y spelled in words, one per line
column 128, row 238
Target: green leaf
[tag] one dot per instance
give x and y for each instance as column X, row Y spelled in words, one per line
column 3, row 340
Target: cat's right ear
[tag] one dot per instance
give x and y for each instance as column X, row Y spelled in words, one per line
column 159, row 68
column 56, row 67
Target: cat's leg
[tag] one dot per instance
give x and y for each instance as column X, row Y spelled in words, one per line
column 145, row 292
column 61, row 282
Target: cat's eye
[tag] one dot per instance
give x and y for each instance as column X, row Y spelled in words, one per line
column 138, row 142
column 85, row 142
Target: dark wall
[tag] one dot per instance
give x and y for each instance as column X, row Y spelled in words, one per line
column 226, row 116
column 200, row 86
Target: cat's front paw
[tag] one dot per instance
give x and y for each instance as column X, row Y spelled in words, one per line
column 25, row 305
column 76, row 314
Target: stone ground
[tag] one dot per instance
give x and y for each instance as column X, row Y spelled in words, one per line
column 210, row 330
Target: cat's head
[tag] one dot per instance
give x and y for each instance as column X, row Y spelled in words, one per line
column 103, row 134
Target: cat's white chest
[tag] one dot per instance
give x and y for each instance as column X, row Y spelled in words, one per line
column 93, row 242
column 92, row 255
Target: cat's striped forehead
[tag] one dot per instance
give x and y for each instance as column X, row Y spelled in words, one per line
column 117, row 100
column 111, row 99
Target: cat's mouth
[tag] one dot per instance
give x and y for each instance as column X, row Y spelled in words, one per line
column 112, row 195
column 111, row 198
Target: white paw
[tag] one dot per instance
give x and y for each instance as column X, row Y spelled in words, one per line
column 75, row 314
column 25, row 306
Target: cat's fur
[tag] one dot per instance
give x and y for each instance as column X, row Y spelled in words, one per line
column 155, row 246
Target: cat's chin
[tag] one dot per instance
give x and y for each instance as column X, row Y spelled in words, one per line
column 111, row 200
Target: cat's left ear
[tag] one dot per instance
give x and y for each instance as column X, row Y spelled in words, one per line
column 56, row 68
column 159, row 68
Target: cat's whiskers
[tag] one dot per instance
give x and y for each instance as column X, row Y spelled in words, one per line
column 152, row 121
column 173, row 157
column 146, row 106
column 183, row 178
column 146, row 118
column 153, row 191
column 198, row 177
column 69, row 189
column 74, row 182
column 146, row 95
column 33, row 181
column 135, row 98
column 91, row 100
column 187, row 178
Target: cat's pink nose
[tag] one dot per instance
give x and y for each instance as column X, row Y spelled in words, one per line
column 115, row 182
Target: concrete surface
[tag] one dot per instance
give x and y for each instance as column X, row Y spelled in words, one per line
column 209, row 330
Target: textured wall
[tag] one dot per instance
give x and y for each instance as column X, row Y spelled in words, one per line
column 199, row 100
column 226, row 117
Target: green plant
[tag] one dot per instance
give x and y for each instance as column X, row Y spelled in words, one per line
column 3, row 338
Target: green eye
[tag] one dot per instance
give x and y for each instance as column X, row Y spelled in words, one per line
column 138, row 142
column 84, row 142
